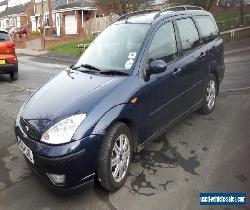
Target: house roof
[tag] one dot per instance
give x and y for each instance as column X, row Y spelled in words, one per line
column 78, row 4
column 19, row 9
column 3, row 3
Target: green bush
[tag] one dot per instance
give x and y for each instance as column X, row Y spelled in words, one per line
column 35, row 32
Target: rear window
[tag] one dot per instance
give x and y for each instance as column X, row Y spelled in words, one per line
column 188, row 34
column 208, row 30
column 4, row 36
column 176, row 9
column 193, row 8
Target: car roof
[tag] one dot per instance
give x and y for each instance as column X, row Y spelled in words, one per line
column 3, row 30
column 149, row 16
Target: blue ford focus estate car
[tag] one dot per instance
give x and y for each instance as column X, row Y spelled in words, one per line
column 144, row 73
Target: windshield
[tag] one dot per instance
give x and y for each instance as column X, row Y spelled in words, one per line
column 116, row 48
column 4, row 36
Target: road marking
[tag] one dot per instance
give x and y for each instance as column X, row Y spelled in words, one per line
column 30, row 90
column 21, row 88
column 235, row 89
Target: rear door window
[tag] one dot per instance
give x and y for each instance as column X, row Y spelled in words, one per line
column 4, row 36
column 208, row 30
column 188, row 34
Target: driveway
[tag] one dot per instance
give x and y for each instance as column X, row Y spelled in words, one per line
column 201, row 154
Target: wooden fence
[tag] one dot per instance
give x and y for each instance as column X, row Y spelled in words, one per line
column 233, row 23
column 95, row 26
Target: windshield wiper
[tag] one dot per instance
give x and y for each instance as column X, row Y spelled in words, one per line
column 114, row 72
column 87, row 66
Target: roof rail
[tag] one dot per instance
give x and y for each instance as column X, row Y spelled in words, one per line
column 183, row 7
column 178, row 8
column 126, row 16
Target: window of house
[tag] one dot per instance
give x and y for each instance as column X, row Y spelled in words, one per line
column 163, row 46
column 95, row 34
column 12, row 22
column 18, row 22
column 54, row 19
column 99, row 15
column 7, row 23
column 188, row 34
column 207, row 27
column 46, row 20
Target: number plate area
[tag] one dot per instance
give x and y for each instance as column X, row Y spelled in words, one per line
column 2, row 62
column 25, row 150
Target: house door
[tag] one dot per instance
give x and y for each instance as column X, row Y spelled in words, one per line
column 58, row 24
column 70, row 24
column 33, row 23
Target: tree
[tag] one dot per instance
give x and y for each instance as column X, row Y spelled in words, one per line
column 210, row 4
column 121, row 7
column 206, row 4
column 241, row 12
column 50, row 17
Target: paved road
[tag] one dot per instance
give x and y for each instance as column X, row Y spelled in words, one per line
column 201, row 154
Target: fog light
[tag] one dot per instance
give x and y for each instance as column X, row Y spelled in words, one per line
column 57, row 178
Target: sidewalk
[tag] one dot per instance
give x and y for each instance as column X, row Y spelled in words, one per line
column 237, row 46
column 47, row 54
column 230, row 48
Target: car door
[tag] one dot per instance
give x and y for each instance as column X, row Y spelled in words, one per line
column 192, row 66
column 158, row 93
column 211, row 41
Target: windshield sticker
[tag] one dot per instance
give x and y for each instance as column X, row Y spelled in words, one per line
column 129, row 64
column 132, row 55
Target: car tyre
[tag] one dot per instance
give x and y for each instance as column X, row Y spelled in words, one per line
column 114, row 157
column 209, row 95
column 14, row 76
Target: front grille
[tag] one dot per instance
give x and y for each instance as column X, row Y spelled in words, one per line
column 29, row 130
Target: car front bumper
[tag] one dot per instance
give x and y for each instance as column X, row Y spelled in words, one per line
column 76, row 160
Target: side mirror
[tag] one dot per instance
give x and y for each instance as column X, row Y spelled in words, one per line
column 156, row 67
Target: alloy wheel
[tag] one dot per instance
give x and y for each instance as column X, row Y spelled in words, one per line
column 120, row 158
column 211, row 94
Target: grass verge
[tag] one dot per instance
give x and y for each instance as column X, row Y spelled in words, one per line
column 69, row 48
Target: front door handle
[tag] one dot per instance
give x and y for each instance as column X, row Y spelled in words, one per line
column 176, row 71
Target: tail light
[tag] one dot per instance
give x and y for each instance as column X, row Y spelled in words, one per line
column 11, row 45
column 12, row 60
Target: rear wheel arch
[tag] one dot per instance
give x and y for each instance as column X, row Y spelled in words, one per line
column 214, row 70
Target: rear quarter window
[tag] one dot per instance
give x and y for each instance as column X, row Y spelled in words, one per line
column 208, row 30
column 4, row 36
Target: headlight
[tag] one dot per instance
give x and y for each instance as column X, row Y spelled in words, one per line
column 63, row 131
column 19, row 114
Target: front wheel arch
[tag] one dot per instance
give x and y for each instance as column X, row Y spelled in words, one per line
column 104, row 170
column 112, row 117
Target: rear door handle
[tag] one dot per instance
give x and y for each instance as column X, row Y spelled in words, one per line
column 203, row 54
